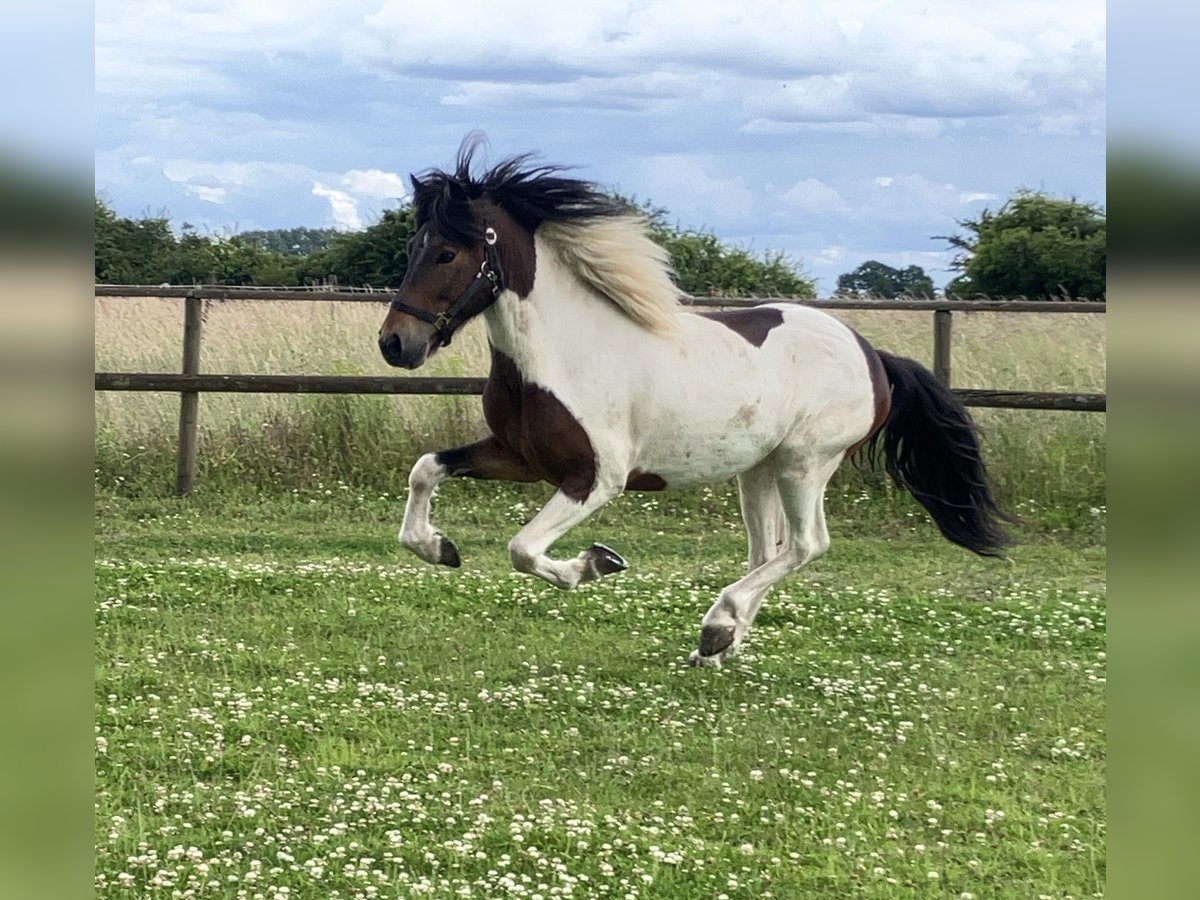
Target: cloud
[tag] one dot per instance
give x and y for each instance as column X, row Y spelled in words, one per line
column 684, row 183
column 375, row 184
column 830, row 257
column 917, row 199
column 235, row 173
column 342, row 207
column 206, row 193
column 787, row 63
column 810, row 195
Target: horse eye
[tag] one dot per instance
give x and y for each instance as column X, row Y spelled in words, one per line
column 444, row 257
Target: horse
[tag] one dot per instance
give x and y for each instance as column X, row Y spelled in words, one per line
column 602, row 381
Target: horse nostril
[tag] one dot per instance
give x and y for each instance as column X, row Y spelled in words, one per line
column 389, row 345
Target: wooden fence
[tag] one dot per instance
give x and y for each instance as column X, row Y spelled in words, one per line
column 190, row 382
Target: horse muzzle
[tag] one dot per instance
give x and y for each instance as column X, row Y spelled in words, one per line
column 410, row 354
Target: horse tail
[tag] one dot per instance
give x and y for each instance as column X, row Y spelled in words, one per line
column 931, row 449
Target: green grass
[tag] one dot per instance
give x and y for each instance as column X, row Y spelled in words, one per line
column 285, row 700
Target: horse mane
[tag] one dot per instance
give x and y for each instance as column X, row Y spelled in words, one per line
column 596, row 236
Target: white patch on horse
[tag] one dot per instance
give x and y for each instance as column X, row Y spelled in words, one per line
column 416, row 533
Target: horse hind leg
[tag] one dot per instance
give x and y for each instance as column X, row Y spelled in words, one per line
column 764, row 518
column 778, row 547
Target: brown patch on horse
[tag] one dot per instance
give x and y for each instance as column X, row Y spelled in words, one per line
column 753, row 323
column 645, row 481
column 514, row 246
column 882, row 390
column 532, row 423
column 487, row 459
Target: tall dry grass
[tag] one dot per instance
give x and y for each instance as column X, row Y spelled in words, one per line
column 265, row 441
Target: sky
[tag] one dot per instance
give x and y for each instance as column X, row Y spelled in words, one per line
column 835, row 132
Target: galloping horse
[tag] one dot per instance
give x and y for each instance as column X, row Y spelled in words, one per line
column 601, row 382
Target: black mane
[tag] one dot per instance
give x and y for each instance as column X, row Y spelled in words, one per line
column 530, row 193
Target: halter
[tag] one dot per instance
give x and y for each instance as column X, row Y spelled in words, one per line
column 490, row 275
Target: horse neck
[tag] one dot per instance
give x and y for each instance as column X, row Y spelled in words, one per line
column 544, row 331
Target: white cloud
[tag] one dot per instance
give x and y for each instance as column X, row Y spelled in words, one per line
column 375, row 184
column 813, row 196
column 913, row 197
column 684, row 183
column 342, row 207
column 776, row 60
column 206, row 193
column 828, row 257
column 233, row 172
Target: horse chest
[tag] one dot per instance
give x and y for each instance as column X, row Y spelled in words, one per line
column 531, row 422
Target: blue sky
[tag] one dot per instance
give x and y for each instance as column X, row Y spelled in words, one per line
column 835, row 131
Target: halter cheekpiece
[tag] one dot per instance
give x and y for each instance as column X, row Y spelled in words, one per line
column 490, row 275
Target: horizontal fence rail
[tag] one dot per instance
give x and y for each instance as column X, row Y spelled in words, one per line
column 285, row 384
column 380, row 295
column 190, row 383
column 383, row 384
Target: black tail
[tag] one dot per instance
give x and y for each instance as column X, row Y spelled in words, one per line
column 931, row 449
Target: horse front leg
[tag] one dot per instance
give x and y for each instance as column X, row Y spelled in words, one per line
column 485, row 459
column 562, row 513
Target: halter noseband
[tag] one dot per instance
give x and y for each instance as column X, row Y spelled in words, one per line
column 490, row 275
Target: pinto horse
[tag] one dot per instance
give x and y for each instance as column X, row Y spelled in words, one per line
column 601, row 381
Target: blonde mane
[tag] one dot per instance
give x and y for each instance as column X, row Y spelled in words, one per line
column 615, row 256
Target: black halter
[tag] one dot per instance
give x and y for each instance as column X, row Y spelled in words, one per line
column 490, row 276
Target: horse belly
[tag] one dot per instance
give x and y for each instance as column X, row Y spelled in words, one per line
column 727, row 409
column 703, row 446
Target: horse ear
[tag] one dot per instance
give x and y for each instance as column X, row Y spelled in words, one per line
column 455, row 191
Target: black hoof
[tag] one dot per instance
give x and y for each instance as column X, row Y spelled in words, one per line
column 605, row 560
column 715, row 639
column 448, row 554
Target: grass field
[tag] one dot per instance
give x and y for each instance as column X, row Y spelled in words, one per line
column 289, row 706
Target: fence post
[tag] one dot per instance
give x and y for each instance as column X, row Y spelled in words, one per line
column 189, row 401
column 941, row 345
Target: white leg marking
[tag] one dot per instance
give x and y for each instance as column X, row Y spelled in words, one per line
column 801, row 492
column 560, row 514
column 417, row 533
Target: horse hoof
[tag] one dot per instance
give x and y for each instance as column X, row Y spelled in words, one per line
column 605, row 560
column 715, row 640
column 703, row 662
column 448, row 554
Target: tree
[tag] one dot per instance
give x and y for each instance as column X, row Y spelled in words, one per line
column 704, row 264
column 291, row 241
column 132, row 252
column 374, row 257
column 146, row 251
column 875, row 279
column 1036, row 246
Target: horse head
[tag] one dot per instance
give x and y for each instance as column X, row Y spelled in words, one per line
column 453, row 275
